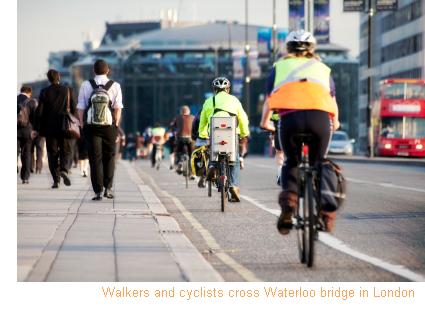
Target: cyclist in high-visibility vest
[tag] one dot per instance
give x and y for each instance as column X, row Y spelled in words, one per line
column 225, row 104
column 301, row 89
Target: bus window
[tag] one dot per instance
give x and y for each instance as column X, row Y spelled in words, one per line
column 415, row 127
column 392, row 127
column 394, row 91
column 415, row 91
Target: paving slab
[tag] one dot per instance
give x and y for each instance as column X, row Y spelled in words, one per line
column 65, row 236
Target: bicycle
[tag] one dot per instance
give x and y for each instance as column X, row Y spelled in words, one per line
column 307, row 213
column 157, row 156
column 223, row 151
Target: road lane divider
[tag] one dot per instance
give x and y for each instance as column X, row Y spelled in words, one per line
column 387, row 185
column 338, row 245
column 359, row 181
column 212, row 244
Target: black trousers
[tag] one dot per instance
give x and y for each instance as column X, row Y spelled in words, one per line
column 315, row 122
column 24, row 148
column 59, row 154
column 37, row 149
column 101, row 149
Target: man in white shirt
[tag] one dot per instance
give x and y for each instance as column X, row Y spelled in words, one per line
column 99, row 109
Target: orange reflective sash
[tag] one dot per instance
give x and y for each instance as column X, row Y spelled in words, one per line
column 302, row 95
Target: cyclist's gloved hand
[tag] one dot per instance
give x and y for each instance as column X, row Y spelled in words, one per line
column 243, row 146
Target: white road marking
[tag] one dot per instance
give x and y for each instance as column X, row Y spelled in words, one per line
column 389, row 185
column 248, row 275
column 336, row 244
column 355, row 180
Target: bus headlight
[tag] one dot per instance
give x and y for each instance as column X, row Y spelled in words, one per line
column 419, row 146
column 387, row 146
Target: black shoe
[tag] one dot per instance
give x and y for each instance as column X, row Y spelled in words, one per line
column 284, row 223
column 97, row 197
column 211, row 173
column 55, row 185
column 108, row 194
column 234, row 193
column 66, row 179
column 25, row 181
column 201, row 182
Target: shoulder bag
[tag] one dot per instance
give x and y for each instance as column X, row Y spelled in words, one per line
column 70, row 124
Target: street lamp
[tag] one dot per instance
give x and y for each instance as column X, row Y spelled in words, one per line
column 274, row 34
column 371, row 13
column 247, row 70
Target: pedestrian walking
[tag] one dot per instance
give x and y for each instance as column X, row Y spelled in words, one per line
column 53, row 103
column 25, row 133
column 99, row 109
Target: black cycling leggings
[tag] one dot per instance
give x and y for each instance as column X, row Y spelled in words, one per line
column 184, row 145
column 315, row 122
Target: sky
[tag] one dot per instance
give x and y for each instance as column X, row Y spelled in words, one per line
column 55, row 25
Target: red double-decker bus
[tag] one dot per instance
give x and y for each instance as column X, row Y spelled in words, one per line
column 401, row 118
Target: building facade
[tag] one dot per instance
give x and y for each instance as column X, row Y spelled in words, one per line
column 398, row 51
column 161, row 70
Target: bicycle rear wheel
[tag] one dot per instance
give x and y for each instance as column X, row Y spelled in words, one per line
column 300, row 228
column 309, row 219
column 158, row 159
column 222, row 185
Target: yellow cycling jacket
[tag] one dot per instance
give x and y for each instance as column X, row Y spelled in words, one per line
column 229, row 105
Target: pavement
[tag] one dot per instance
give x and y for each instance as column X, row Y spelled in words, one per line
column 62, row 235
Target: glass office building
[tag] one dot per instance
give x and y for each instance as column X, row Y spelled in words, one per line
column 398, row 51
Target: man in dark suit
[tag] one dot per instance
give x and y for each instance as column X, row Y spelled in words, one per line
column 25, row 134
column 52, row 106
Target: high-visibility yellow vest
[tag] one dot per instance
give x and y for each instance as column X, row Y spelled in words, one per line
column 302, row 84
column 225, row 105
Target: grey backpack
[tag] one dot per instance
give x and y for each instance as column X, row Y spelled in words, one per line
column 333, row 186
column 99, row 111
